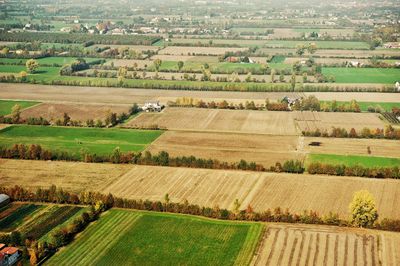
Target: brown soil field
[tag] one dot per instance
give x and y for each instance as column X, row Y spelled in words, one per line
column 81, row 112
column 243, row 121
column 262, row 149
column 186, row 50
column 359, row 96
column 311, row 121
column 207, row 187
column 379, row 147
column 74, row 176
column 285, row 244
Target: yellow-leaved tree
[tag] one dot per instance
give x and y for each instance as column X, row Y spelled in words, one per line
column 363, row 210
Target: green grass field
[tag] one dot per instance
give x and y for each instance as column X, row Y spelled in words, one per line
column 364, row 105
column 350, row 160
column 75, row 140
column 363, row 75
column 6, row 106
column 47, row 60
column 157, row 238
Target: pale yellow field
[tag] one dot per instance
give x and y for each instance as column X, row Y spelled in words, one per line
column 217, row 120
column 285, row 244
column 141, row 64
column 311, row 121
column 262, row 149
column 207, row 187
column 378, row 147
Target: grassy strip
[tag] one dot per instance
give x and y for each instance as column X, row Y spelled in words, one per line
column 364, row 105
column 75, row 140
column 6, row 106
column 351, row 160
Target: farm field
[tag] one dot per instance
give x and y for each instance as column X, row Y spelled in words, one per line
column 351, row 160
column 344, row 146
column 214, row 120
column 6, row 106
column 193, row 50
column 278, row 43
column 311, row 121
column 207, row 187
column 73, row 176
column 363, row 75
column 47, row 60
column 380, row 105
column 262, row 149
column 81, row 94
column 327, row 245
column 74, row 140
column 334, row 53
column 16, row 215
column 155, row 237
column 81, row 112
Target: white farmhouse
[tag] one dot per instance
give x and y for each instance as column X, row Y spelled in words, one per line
column 152, row 106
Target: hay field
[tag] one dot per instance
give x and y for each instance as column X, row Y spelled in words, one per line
column 359, row 96
column 327, row 245
column 243, row 121
column 333, row 52
column 379, row 147
column 74, row 176
column 193, row 50
column 262, row 149
column 139, row 48
column 207, row 187
column 81, row 112
column 327, row 61
column 311, row 121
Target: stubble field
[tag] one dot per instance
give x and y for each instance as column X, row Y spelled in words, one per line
column 326, row 245
column 207, row 187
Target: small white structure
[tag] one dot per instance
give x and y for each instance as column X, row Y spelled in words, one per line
column 4, row 200
column 152, row 106
column 397, row 85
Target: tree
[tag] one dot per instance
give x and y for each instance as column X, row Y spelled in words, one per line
column 122, row 72
column 157, row 63
column 23, row 75
column 31, row 65
column 16, row 113
column 273, row 75
column 312, row 48
column 180, row 65
column 236, row 206
column 363, row 210
column 66, row 119
column 293, row 81
column 300, row 49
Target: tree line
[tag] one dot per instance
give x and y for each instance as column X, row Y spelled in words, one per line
column 37, row 152
column 355, row 170
column 336, row 132
column 54, row 37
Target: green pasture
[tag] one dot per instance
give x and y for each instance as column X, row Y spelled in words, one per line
column 6, row 105
column 351, row 160
column 363, row 75
column 94, row 140
column 158, row 238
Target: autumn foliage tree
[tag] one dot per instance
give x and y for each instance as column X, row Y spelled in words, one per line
column 363, row 210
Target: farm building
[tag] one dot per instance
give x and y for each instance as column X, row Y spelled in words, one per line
column 397, row 85
column 9, row 255
column 153, row 106
column 4, row 200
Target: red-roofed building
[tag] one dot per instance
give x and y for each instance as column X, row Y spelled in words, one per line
column 9, row 256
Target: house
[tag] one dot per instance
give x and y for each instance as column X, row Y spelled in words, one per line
column 152, row 106
column 290, row 101
column 232, row 59
column 9, row 256
column 392, row 45
column 354, row 64
column 4, row 200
